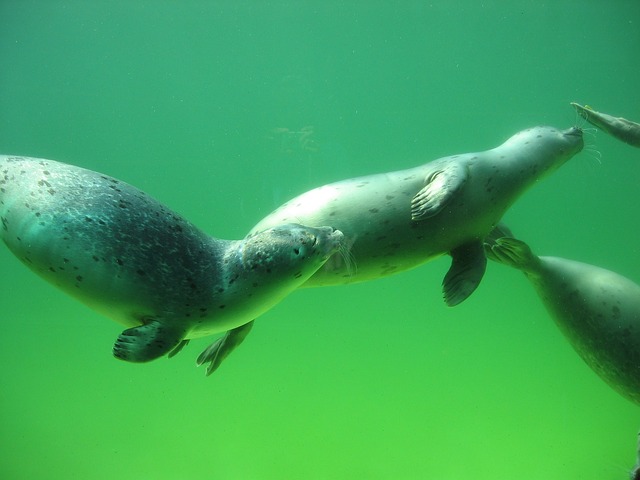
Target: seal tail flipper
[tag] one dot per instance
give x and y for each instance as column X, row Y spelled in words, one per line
column 512, row 252
column 499, row 231
column 215, row 353
column 147, row 342
column 467, row 269
column 178, row 348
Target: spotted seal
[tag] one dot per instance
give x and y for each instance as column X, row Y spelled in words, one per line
column 398, row 220
column 131, row 258
column 597, row 310
column 617, row 127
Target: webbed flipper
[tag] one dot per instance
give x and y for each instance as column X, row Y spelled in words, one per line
column 499, row 231
column 148, row 342
column 468, row 264
column 512, row 252
column 215, row 353
column 440, row 186
column 178, row 348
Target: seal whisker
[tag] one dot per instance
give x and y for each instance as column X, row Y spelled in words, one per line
column 593, row 153
column 349, row 260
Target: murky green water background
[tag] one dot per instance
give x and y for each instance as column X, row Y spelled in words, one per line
column 223, row 110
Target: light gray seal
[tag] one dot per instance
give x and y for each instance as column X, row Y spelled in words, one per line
column 617, row 127
column 131, row 258
column 597, row 310
column 398, row 220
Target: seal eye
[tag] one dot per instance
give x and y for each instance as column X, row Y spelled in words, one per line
column 296, row 251
column 314, row 240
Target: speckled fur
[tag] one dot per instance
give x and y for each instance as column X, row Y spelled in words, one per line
column 128, row 256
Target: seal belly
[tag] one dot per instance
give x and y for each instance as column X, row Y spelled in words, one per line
column 598, row 311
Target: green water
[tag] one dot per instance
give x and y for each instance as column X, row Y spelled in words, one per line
column 224, row 110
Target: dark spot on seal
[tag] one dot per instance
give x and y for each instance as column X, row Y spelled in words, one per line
column 140, row 272
column 389, row 197
column 296, row 251
column 374, row 210
column 79, row 278
column 221, row 306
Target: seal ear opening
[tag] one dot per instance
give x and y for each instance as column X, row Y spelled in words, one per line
column 147, row 342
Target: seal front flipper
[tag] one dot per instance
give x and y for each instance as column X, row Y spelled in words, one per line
column 215, row 353
column 467, row 269
column 148, row 342
column 440, row 185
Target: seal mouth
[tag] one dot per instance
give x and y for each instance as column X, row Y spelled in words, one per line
column 573, row 131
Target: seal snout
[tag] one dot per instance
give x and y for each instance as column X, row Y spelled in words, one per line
column 573, row 131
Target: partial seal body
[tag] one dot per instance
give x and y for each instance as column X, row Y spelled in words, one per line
column 133, row 259
column 597, row 310
column 618, row 127
column 398, row 220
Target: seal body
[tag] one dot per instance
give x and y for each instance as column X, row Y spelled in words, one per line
column 131, row 258
column 398, row 220
column 617, row 127
column 597, row 310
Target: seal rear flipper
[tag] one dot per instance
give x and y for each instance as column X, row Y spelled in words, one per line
column 178, row 348
column 440, row 186
column 467, row 269
column 512, row 252
column 215, row 353
column 148, row 342
column 499, row 231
